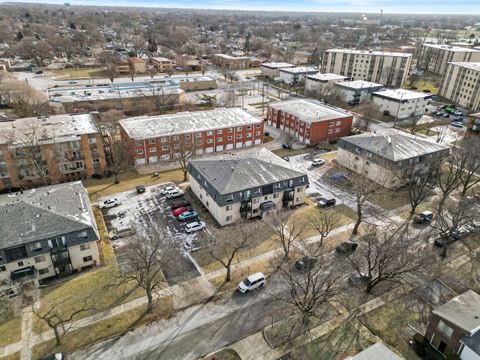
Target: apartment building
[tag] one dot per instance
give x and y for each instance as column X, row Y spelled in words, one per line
column 137, row 65
column 296, row 75
column 358, row 91
column 386, row 68
column 246, row 185
column 193, row 83
column 50, row 149
column 271, row 70
column 188, row 62
column 401, row 103
column 301, row 57
column 231, row 62
column 461, row 84
column 473, row 125
column 46, row 232
column 454, row 327
column 162, row 64
column 155, row 138
column 310, row 121
column 388, row 157
column 318, row 81
column 434, row 58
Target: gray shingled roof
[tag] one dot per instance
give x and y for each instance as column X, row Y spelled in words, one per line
column 43, row 213
column 473, row 342
column 463, row 311
column 393, row 145
column 377, row 351
column 245, row 171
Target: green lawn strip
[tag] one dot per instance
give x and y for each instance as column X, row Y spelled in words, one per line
column 10, row 331
column 114, row 326
column 14, row 356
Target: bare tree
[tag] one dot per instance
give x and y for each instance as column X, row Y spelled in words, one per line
column 112, row 71
column 421, row 184
column 225, row 247
column 287, row 230
column 60, row 316
column 210, row 100
column 120, row 158
column 466, row 161
column 369, row 112
column 449, row 180
column 362, row 189
column 323, row 223
column 110, row 61
column 132, row 73
column 182, row 152
column 145, row 255
column 387, row 255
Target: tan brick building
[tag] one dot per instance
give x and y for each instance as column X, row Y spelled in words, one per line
column 461, row 84
column 49, row 150
column 231, row 62
column 188, row 62
column 162, row 64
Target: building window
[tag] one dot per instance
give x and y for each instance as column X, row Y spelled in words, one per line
column 187, row 137
column 163, row 139
column 230, row 130
column 175, row 138
column 152, row 149
column 20, row 263
column 219, row 131
column 84, row 247
column 239, row 137
column 249, row 135
column 239, row 128
column 87, row 258
column 138, row 143
column 165, row 147
column 228, row 207
column 39, row 258
column 258, row 126
column 43, row 271
column 228, row 218
column 82, row 235
column 444, row 328
column 257, row 133
column 230, row 138
column 299, row 189
column 276, row 195
column 330, row 131
column 96, row 161
column 255, row 201
column 198, row 135
column 337, row 130
column 92, row 140
column 209, row 141
column 209, row 133
column 140, row 152
column 176, row 146
column 219, row 139
column 37, row 246
column 249, row 127
column 152, row 141
column 3, row 268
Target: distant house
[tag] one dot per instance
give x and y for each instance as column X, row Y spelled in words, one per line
column 247, row 185
column 301, row 57
column 319, row 81
column 271, row 70
column 138, row 65
column 358, row 91
column 296, row 75
column 377, row 351
column 188, row 62
column 47, row 232
column 231, row 62
column 388, row 157
column 401, row 103
column 162, row 64
column 310, row 121
column 454, row 328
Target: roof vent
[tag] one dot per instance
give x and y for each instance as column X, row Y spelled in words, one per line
column 389, row 139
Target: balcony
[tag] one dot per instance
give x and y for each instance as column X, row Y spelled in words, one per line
column 24, row 275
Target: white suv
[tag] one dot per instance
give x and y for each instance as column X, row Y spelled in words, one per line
column 318, row 162
column 109, row 203
column 194, row 226
column 252, row 282
column 168, row 188
column 174, row 193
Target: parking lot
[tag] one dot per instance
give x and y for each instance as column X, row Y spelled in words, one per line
column 140, row 211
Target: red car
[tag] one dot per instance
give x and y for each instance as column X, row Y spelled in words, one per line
column 179, row 210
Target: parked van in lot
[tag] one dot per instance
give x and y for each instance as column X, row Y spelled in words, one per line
column 122, row 232
column 252, row 282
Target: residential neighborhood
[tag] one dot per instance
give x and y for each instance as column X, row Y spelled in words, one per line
column 239, row 181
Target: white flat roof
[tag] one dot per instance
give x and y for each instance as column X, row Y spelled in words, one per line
column 326, row 77
column 97, row 94
column 277, row 65
column 370, row 52
column 400, row 94
column 468, row 65
column 309, row 111
column 230, row 57
column 147, row 127
column 160, row 58
column 56, row 128
column 299, row 70
column 450, row 47
column 358, row 84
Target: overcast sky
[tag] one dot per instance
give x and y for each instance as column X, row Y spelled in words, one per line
column 360, row 6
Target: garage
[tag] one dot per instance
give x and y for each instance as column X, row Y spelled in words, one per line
column 238, row 145
column 258, row 141
column 140, row 161
column 248, row 143
column 209, row 150
column 153, row 159
column 199, row 151
column 219, row 148
column 229, row 146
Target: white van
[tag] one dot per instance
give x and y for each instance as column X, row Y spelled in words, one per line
column 122, row 232
column 252, row 282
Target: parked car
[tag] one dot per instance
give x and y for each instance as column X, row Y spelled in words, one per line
column 446, row 115
column 56, row 356
column 194, row 226
column 140, row 189
column 457, row 124
column 72, row 82
column 423, row 218
column 174, row 193
column 122, row 232
column 324, row 202
column 187, row 215
column 286, row 158
column 179, row 203
column 109, row 203
column 357, row 279
column 346, row 247
column 305, row 263
column 318, row 162
column 167, row 189
column 440, row 242
column 252, row 282
column 285, row 146
column 458, row 113
column 39, row 72
column 178, row 211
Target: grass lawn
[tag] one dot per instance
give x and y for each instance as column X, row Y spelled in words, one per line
column 14, row 356
column 92, row 285
column 340, row 343
column 391, row 321
column 114, row 326
column 391, row 199
column 224, row 354
column 98, row 188
column 105, row 247
column 421, row 85
column 464, row 277
column 76, row 74
column 290, row 152
column 10, row 331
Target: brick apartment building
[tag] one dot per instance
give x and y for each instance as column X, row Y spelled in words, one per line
column 155, row 138
column 162, row 64
column 188, row 62
column 310, row 121
column 48, row 150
